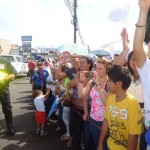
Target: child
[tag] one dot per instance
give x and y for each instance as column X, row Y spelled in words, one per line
column 123, row 119
column 40, row 114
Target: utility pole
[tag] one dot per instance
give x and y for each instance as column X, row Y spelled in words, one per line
column 75, row 20
column 88, row 48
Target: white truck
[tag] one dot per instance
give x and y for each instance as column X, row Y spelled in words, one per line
column 18, row 62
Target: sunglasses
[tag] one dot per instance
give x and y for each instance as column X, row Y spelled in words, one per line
column 39, row 64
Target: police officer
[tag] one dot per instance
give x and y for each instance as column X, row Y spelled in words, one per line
column 7, row 73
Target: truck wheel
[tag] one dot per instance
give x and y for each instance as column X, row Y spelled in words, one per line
column 28, row 74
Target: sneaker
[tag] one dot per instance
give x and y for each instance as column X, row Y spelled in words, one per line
column 38, row 131
column 43, row 133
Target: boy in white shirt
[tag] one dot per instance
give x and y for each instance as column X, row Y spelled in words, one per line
column 40, row 114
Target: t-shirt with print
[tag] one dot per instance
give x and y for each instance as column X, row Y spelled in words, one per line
column 144, row 74
column 39, row 103
column 124, row 118
column 76, row 102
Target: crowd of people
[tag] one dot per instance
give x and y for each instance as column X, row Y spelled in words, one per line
column 101, row 104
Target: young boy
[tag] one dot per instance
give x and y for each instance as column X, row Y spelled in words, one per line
column 40, row 114
column 123, row 119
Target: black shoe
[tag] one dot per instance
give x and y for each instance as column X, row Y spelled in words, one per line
column 11, row 130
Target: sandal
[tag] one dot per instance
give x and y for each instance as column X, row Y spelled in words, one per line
column 64, row 138
column 58, row 129
column 69, row 143
column 63, row 135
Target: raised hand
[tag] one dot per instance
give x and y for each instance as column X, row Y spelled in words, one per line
column 125, row 39
column 144, row 4
column 68, row 53
column 82, row 76
column 124, row 35
column 95, row 77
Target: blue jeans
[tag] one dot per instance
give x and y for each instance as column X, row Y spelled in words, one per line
column 95, row 131
column 76, row 127
column 48, row 103
column 60, row 120
column 31, row 72
column 88, row 140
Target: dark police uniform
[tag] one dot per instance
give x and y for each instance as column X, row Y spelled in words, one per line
column 7, row 69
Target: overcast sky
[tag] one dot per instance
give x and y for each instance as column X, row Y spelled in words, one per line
column 49, row 21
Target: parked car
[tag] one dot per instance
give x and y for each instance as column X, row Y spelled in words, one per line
column 18, row 62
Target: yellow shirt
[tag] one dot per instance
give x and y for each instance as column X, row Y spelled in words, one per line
column 124, row 118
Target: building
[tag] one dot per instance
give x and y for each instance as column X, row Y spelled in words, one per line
column 15, row 49
column 5, row 46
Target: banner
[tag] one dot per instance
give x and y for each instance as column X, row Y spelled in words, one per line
column 119, row 14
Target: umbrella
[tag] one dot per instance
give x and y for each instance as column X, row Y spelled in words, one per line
column 54, row 106
column 73, row 49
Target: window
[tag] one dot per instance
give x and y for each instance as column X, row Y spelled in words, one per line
column 24, row 60
column 18, row 59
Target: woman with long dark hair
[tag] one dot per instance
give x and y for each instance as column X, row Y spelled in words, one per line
column 76, row 112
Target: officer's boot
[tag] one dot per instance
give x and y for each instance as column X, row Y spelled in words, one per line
column 8, row 119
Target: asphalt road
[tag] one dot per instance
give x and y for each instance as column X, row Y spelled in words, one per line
column 23, row 112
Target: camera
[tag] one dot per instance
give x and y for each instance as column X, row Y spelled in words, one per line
column 89, row 74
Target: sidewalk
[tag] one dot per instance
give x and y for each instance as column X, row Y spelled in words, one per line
column 23, row 112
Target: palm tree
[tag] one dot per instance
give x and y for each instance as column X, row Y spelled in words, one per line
column 147, row 33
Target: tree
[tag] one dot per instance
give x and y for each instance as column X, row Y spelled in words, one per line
column 147, row 33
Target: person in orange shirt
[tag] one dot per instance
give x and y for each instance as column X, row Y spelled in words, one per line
column 31, row 66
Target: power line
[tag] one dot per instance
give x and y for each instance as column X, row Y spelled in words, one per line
column 69, row 7
column 75, row 20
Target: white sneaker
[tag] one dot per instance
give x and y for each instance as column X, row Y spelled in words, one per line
column 43, row 133
column 38, row 131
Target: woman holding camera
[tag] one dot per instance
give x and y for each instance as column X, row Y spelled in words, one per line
column 97, row 89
